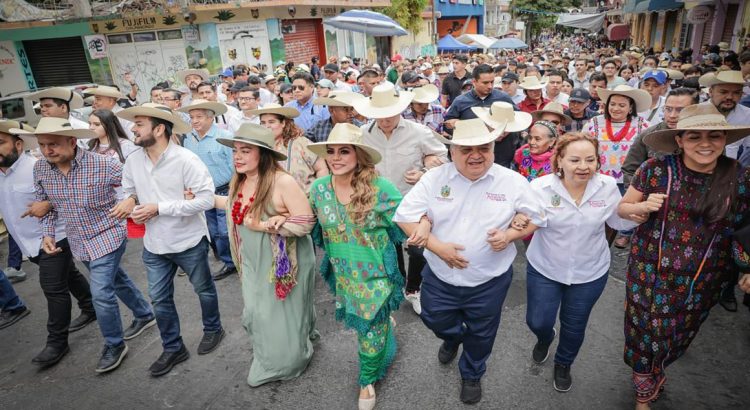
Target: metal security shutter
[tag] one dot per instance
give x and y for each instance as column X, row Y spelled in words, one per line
column 300, row 40
column 729, row 19
column 59, row 61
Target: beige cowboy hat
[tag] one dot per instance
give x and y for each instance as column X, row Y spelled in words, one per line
column 338, row 99
column 425, row 94
column 273, row 108
column 641, row 97
column 254, row 134
column 501, row 114
column 28, row 143
column 552, row 108
column 532, row 83
column 386, row 101
column 699, row 117
column 443, row 70
column 104, row 91
column 344, row 134
column 471, row 133
column 723, row 46
column 53, row 126
column 200, row 72
column 722, row 77
column 217, row 107
column 73, row 99
column 159, row 111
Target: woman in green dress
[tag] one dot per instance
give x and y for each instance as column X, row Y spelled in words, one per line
column 354, row 208
column 269, row 235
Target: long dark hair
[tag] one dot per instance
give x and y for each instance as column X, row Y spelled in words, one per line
column 112, row 129
column 633, row 112
column 717, row 200
column 268, row 167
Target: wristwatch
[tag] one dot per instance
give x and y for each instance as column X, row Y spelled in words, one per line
column 134, row 197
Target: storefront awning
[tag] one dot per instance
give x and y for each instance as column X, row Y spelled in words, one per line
column 662, row 5
column 642, row 7
column 617, row 32
column 590, row 22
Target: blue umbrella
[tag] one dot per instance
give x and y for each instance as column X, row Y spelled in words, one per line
column 368, row 22
column 509, row 42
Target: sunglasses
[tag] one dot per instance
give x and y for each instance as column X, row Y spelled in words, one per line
column 298, row 87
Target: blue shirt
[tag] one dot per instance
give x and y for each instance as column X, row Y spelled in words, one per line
column 461, row 106
column 217, row 157
column 309, row 114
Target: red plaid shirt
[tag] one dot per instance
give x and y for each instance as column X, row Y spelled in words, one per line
column 527, row 106
column 83, row 199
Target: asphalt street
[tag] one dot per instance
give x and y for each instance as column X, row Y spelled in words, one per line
column 714, row 374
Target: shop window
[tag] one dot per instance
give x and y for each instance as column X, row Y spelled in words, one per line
column 119, row 38
column 170, row 34
column 145, row 36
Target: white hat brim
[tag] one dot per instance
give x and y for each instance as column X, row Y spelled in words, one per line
column 642, row 98
column 366, row 108
column 319, row 149
column 104, row 93
column 521, row 120
column 287, row 112
column 75, row 101
column 217, row 108
column 229, row 142
column 178, row 125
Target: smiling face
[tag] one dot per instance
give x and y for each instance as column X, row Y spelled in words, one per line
column 701, row 149
column 578, row 161
column 618, row 108
column 201, row 120
column 540, row 140
column 341, row 159
column 473, row 162
column 246, row 158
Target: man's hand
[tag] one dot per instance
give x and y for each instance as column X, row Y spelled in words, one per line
column 37, row 209
column 497, row 239
column 432, row 161
column 520, row 222
column 450, row 124
column 143, row 213
column 412, row 177
column 744, row 283
column 123, row 209
column 448, row 252
column 128, row 78
column 49, row 246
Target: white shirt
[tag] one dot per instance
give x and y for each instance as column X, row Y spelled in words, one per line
column 342, row 86
column 572, row 247
column 561, row 98
column 77, row 124
column 404, row 150
column 740, row 115
column 16, row 192
column 266, row 97
column 126, row 125
column 181, row 223
column 231, row 120
column 463, row 211
column 520, row 96
column 255, row 119
column 654, row 115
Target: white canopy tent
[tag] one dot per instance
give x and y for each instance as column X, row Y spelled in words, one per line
column 590, row 22
column 477, row 40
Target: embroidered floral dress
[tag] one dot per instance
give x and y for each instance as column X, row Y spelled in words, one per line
column 614, row 148
column 360, row 266
column 300, row 161
column 532, row 166
column 668, row 295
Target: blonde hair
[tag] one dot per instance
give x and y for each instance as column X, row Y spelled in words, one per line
column 363, row 195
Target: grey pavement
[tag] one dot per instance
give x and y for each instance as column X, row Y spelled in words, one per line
column 714, row 374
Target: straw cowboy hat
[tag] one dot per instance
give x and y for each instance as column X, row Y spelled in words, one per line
column 552, row 108
column 7, row 125
column 104, row 91
column 425, row 94
column 501, row 114
column 202, row 73
column 531, row 82
column 217, row 107
column 722, row 77
column 73, row 99
column 254, row 134
column 386, row 101
column 338, row 99
column 699, row 117
column 273, row 108
column 53, row 126
column 159, row 111
column 471, row 133
column 344, row 134
column 641, row 97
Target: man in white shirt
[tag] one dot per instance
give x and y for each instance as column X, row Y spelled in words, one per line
column 58, row 102
column 655, row 83
column 248, row 100
column 469, row 203
column 553, row 90
column 106, row 98
column 331, row 72
column 725, row 91
column 155, row 180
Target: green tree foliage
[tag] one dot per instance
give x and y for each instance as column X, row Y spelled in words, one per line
column 407, row 13
column 535, row 23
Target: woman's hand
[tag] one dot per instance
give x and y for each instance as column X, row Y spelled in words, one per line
column 653, row 203
column 520, row 222
column 273, row 224
column 421, row 234
column 744, row 282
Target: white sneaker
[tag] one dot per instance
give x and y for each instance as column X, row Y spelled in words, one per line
column 15, row 275
column 416, row 304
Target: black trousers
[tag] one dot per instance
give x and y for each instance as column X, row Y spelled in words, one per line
column 417, row 262
column 59, row 278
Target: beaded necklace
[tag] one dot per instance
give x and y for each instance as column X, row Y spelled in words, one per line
column 620, row 134
column 238, row 211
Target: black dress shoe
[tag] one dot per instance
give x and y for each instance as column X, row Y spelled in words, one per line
column 563, row 379
column 111, row 358
column 137, row 327
column 727, row 300
column 81, row 321
column 167, row 361
column 7, row 318
column 50, row 356
column 471, row 391
column 225, row 272
column 210, row 341
column 541, row 350
column 446, row 353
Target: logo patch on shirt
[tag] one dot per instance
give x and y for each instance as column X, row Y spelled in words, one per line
column 597, row 204
column 445, row 191
column 495, row 197
column 555, row 201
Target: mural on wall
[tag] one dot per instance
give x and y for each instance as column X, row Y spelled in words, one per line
column 454, row 27
column 202, row 47
column 245, row 43
column 276, row 41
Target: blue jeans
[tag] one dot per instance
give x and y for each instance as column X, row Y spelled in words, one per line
column 15, row 257
column 468, row 315
column 161, row 270
column 544, row 297
column 217, row 227
column 9, row 300
column 108, row 283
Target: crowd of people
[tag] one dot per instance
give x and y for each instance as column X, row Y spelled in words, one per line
column 416, row 181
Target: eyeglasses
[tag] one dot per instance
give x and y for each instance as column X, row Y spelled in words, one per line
column 298, row 87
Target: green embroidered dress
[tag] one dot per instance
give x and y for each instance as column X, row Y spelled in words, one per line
column 361, row 267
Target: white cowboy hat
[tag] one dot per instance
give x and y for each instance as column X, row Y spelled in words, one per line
column 552, row 108
column 254, row 134
column 386, row 101
column 54, row 126
column 339, row 99
column 344, row 134
column 641, row 97
column 73, row 99
column 273, row 108
column 425, row 94
column 156, row 111
column 217, row 107
column 500, row 113
column 202, row 73
column 471, row 133
column 722, row 77
column 104, row 91
column 28, row 143
column 698, row 117
column 531, row 82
